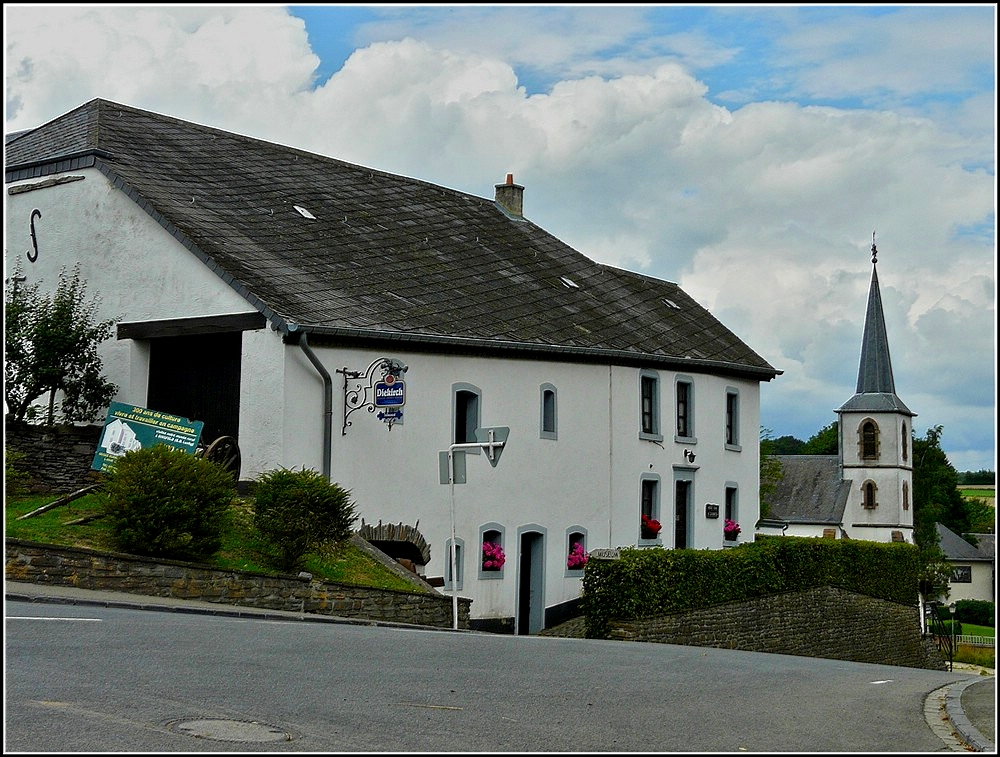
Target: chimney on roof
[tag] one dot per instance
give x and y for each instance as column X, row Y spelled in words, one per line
column 510, row 196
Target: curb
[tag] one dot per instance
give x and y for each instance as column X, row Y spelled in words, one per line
column 963, row 726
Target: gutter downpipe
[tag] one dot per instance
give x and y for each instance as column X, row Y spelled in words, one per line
column 327, row 400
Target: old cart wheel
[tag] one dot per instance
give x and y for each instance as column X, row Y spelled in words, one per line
column 226, row 452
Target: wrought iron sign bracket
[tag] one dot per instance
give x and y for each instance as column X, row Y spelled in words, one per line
column 359, row 389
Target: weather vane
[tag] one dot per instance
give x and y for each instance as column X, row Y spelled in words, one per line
column 874, row 251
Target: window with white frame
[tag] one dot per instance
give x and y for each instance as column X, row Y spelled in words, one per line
column 649, row 406
column 459, row 571
column 732, row 418
column 732, row 503
column 684, row 390
column 649, row 508
column 548, row 428
column 467, row 406
column 493, row 556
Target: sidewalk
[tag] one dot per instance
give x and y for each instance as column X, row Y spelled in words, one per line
column 970, row 705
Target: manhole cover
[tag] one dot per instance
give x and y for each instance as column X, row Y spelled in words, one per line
column 230, row 730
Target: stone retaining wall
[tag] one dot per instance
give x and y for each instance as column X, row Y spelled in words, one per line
column 56, row 458
column 92, row 569
column 826, row 622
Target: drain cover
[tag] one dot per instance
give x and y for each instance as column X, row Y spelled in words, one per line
column 230, row 730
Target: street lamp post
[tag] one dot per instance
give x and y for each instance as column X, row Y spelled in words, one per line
column 493, row 443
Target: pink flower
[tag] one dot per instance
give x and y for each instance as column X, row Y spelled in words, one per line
column 577, row 557
column 493, row 556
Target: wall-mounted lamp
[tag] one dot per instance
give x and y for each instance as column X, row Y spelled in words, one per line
column 689, row 455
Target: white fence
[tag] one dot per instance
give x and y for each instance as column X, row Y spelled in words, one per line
column 975, row 641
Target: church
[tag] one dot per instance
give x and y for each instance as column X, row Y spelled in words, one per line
column 864, row 491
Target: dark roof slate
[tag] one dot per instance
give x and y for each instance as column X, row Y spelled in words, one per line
column 957, row 548
column 811, row 490
column 386, row 257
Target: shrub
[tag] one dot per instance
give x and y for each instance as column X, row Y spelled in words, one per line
column 976, row 611
column 299, row 511
column 165, row 502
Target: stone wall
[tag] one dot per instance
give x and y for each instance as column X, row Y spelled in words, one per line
column 826, row 622
column 57, row 459
column 92, row 569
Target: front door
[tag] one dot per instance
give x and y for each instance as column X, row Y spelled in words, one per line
column 530, row 584
column 682, row 506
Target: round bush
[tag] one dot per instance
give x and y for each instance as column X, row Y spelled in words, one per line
column 297, row 512
column 165, row 502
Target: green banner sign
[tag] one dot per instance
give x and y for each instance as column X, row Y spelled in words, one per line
column 129, row 427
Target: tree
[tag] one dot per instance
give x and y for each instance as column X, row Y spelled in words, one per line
column 51, row 347
column 770, row 471
column 823, row 442
column 936, row 498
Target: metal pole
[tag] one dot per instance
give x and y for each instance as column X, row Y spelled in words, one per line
column 454, row 547
column 951, row 657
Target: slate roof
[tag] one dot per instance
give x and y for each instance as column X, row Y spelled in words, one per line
column 957, row 548
column 876, row 390
column 811, row 491
column 386, row 257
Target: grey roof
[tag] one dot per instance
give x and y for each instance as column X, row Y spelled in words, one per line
column 386, row 257
column 811, row 491
column 876, row 390
column 957, row 548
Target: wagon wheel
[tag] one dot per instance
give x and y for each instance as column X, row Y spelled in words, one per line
column 226, row 452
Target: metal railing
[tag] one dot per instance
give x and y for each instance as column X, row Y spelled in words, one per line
column 975, row 641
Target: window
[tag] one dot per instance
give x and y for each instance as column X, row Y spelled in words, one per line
column 467, row 412
column 906, row 495
column 869, row 441
column 868, row 491
column 492, row 554
column 649, row 509
column 576, row 551
column 649, row 406
column 732, row 418
column 904, row 443
column 685, row 409
column 459, row 554
column 962, row 574
column 732, row 512
column 548, row 417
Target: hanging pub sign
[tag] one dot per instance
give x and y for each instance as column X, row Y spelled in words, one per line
column 129, row 427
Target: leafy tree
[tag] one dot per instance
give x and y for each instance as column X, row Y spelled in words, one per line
column 982, row 516
column 770, row 471
column 50, row 346
column 823, row 442
column 980, row 476
column 936, row 498
column 787, row 445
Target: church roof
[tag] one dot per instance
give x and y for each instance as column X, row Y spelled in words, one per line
column 876, row 389
column 811, row 491
column 341, row 251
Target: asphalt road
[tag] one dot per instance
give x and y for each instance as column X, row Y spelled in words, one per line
column 110, row 679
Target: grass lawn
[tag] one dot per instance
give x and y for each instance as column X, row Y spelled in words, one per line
column 75, row 525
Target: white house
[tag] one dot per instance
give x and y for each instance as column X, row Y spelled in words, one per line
column 973, row 568
column 335, row 317
column 863, row 492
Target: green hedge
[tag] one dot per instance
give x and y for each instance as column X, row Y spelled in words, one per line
column 648, row 582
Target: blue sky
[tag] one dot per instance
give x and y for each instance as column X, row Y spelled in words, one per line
column 745, row 152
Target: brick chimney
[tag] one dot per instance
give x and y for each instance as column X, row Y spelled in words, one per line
column 510, row 196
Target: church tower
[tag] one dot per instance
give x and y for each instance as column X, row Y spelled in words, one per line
column 875, row 437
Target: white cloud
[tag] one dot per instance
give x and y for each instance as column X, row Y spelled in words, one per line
column 763, row 214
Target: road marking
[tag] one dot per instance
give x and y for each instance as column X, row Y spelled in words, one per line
column 431, row 706
column 30, row 617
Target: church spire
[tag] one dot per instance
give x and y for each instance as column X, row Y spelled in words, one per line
column 876, row 390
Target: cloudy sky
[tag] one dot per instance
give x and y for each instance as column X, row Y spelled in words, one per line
column 747, row 153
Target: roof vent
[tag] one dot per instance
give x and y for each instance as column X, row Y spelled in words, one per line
column 510, row 197
column 304, row 213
